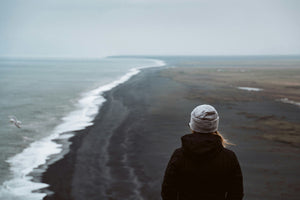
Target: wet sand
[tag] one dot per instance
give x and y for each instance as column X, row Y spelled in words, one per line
column 124, row 154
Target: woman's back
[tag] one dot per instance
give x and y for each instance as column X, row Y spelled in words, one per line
column 202, row 169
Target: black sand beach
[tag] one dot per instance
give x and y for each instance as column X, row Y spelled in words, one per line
column 124, row 154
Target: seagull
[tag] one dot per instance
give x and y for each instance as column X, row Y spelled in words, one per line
column 14, row 121
column 27, row 139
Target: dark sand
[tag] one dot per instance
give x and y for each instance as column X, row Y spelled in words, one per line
column 124, row 154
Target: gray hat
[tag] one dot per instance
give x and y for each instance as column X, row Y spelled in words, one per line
column 204, row 119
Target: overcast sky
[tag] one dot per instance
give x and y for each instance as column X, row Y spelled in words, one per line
column 97, row 28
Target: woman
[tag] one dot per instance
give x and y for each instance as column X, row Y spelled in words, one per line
column 203, row 169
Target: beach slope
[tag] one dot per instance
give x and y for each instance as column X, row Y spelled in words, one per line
column 124, row 154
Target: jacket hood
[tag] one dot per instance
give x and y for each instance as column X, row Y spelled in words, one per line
column 201, row 145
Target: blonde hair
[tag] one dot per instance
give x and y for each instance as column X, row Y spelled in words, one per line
column 224, row 141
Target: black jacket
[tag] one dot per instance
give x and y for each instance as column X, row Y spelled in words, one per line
column 202, row 169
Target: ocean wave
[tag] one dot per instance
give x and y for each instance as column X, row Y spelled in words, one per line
column 22, row 186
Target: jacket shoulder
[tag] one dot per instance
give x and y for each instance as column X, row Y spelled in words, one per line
column 231, row 158
column 230, row 153
column 177, row 156
column 178, row 152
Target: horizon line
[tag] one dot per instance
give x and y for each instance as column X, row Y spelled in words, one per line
column 141, row 55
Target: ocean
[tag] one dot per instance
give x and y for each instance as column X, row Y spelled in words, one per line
column 50, row 97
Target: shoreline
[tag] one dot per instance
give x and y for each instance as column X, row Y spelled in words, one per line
column 27, row 165
column 124, row 154
column 64, row 168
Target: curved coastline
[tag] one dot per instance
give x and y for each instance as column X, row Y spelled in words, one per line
column 124, row 153
column 25, row 181
column 103, row 162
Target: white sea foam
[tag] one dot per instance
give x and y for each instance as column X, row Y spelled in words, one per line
column 21, row 186
column 286, row 100
column 250, row 89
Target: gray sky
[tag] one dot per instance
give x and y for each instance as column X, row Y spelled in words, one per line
column 97, row 28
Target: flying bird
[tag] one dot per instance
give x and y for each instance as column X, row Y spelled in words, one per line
column 27, row 139
column 15, row 121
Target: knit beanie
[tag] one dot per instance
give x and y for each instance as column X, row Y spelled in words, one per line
column 204, row 119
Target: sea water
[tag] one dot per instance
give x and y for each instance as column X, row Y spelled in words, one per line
column 50, row 97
